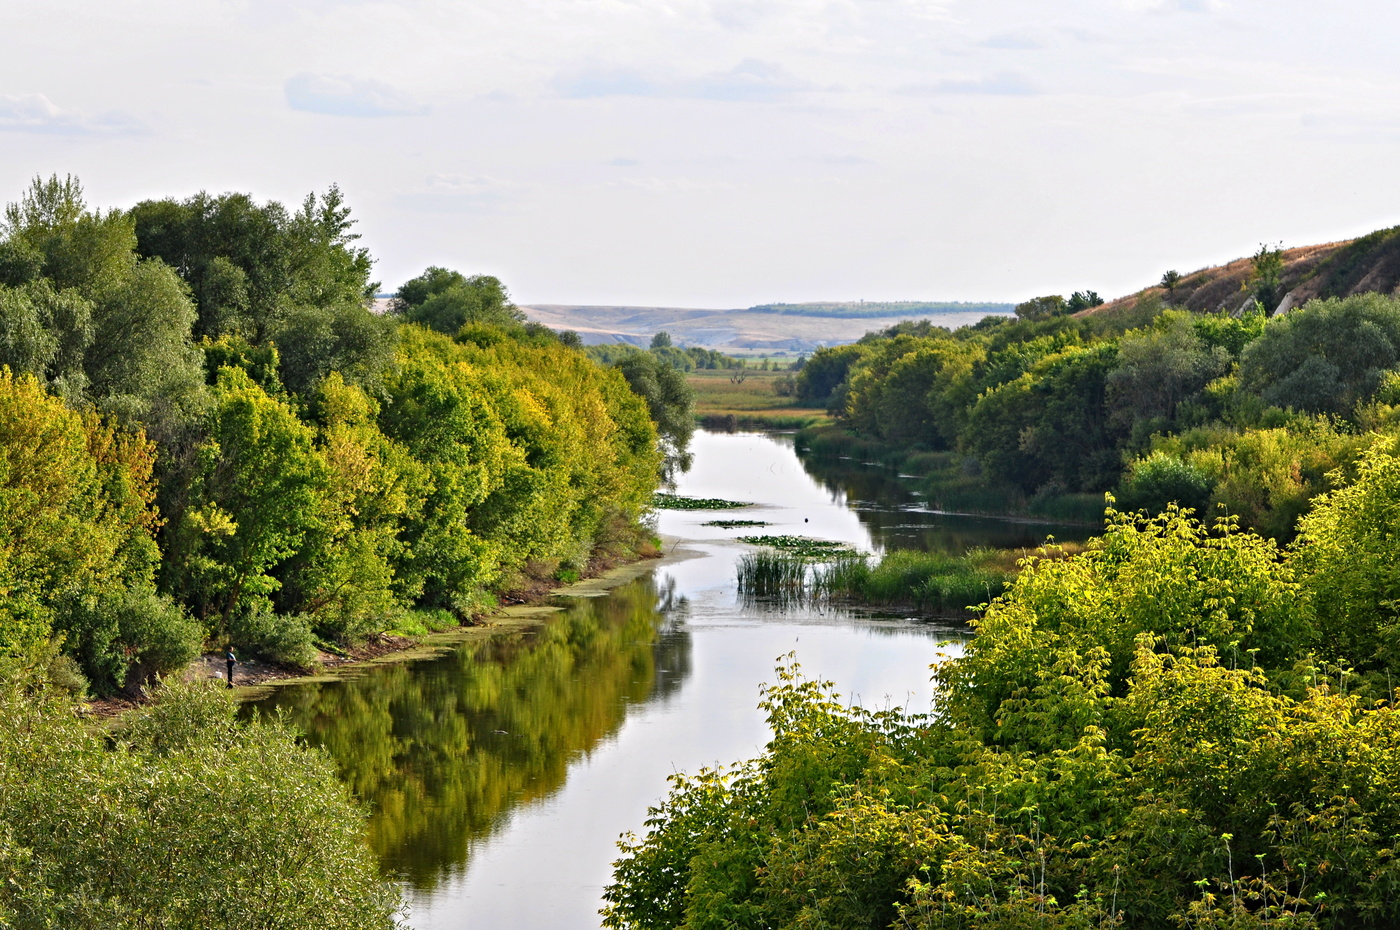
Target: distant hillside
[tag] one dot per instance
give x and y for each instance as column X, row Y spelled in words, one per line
column 1336, row 269
column 904, row 309
column 768, row 329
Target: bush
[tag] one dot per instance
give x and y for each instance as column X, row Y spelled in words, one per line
column 192, row 820
column 1161, row 479
column 286, row 639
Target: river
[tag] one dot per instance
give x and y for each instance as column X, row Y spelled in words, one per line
column 501, row 774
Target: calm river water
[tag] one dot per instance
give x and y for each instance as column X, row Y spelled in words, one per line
column 500, row 775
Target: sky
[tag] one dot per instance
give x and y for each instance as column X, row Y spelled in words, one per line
column 725, row 153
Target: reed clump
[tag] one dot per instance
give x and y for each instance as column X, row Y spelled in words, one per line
column 933, row 582
column 768, row 573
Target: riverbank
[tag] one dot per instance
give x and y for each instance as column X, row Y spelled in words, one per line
column 950, row 482
column 255, row 679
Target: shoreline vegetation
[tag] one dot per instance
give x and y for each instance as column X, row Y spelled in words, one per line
column 515, row 615
column 947, row 482
column 207, row 440
column 517, row 611
column 935, row 584
column 1191, row 721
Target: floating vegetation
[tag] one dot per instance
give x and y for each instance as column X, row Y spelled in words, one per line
column 735, row 524
column 677, row 502
column 801, row 547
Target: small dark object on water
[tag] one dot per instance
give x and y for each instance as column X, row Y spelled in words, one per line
column 232, row 661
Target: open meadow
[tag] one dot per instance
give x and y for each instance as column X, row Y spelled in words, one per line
column 749, row 399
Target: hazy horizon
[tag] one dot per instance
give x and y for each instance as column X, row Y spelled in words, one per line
column 727, row 153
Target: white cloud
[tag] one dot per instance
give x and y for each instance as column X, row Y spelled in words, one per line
column 1350, row 128
column 341, row 95
column 749, row 81
column 37, row 113
column 1177, row 6
column 450, row 193
column 672, row 185
column 1013, row 41
column 1003, row 83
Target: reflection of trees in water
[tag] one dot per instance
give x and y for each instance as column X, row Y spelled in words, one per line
column 671, row 654
column 873, row 621
column 444, row 750
column 882, row 502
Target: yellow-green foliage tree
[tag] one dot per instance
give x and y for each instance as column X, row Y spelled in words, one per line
column 1349, row 545
column 1139, row 736
column 79, row 557
column 530, row 451
column 255, row 496
column 343, row 574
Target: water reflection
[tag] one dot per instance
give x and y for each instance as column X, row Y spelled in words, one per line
column 897, row 518
column 444, row 750
column 500, row 776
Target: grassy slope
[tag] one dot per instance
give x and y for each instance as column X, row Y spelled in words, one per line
column 1334, row 269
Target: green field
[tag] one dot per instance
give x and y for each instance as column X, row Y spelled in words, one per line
column 748, row 399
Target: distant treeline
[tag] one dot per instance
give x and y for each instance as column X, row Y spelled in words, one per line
column 690, row 358
column 1243, row 415
column 882, row 308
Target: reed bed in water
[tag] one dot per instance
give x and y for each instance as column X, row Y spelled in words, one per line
column 936, row 582
column 767, row 573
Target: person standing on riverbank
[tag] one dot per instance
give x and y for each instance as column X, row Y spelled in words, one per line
column 232, row 661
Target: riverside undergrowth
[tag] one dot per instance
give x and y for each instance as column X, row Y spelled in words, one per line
column 1182, row 725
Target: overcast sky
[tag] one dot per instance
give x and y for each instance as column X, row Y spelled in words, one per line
column 717, row 153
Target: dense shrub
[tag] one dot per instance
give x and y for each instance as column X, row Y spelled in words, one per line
column 192, row 820
column 1140, row 735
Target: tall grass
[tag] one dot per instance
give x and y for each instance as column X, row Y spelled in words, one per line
column 932, row 582
column 767, row 573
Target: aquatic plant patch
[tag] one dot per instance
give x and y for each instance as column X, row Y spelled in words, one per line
column 678, row 502
column 735, row 524
column 801, row 546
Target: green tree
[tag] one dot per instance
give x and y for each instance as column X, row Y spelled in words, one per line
column 1266, row 277
column 1083, row 300
column 1326, row 357
column 142, row 359
column 1347, row 546
column 671, row 401
column 1159, row 369
column 1050, row 423
column 256, row 494
column 177, row 826
column 1042, row 308
column 438, row 410
column 249, row 265
column 46, row 333
column 91, row 252
column 76, row 511
column 825, row 371
column 342, row 576
column 447, row 300
column 344, row 337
